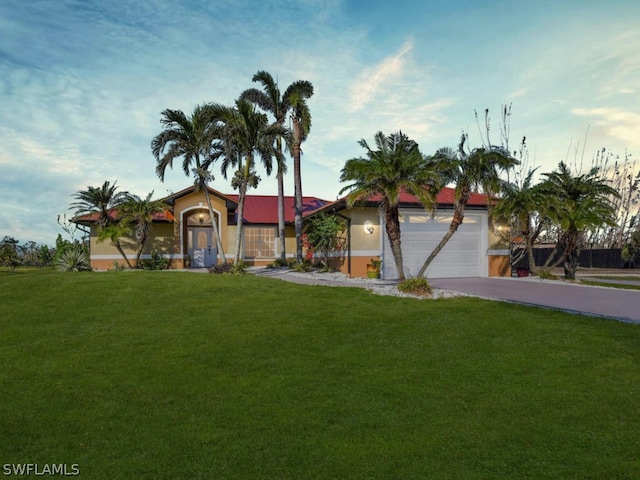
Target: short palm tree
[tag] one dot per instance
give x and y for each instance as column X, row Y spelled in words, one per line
column 190, row 138
column 471, row 171
column 103, row 201
column 279, row 106
column 520, row 202
column 577, row 203
column 138, row 213
column 244, row 135
column 396, row 165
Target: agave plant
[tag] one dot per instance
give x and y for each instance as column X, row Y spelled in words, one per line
column 75, row 259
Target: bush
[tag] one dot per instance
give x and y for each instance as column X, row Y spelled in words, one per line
column 277, row 263
column 156, row 262
column 74, row 259
column 230, row 268
column 304, row 266
column 415, row 286
column 547, row 275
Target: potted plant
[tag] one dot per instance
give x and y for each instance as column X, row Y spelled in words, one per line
column 373, row 268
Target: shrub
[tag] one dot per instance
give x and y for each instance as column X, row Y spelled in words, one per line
column 547, row 275
column 304, row 266
column 117, row 267
column 277, row 263
column 74, row 259
column 156, row 262
column 415, row 286
column 230, row 268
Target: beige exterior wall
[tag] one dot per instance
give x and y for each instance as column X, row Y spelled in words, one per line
column 104, row 254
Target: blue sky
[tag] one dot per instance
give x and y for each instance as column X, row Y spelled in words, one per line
column 82, row 83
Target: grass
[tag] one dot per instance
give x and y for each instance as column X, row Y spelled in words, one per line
column 147, row 375
column 610, row 285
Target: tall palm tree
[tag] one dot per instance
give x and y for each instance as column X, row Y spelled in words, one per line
column 138, row 213
column 102, row 201
column 470, row 171
column 270, row 100
column 190, row 138
column 395, row 166
column 577, row 203
column 244, row 134
column 301, row 123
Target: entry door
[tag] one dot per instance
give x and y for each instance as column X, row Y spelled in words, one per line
column 203, row 254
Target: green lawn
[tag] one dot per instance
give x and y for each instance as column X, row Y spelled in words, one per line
column 174, row 375
column 610, row 285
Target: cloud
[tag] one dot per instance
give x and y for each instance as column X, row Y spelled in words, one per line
column 372, row 81
column 619, row 124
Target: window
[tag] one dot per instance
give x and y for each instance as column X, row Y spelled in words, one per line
column 259, row 242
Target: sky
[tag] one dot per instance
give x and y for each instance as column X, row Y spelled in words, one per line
column 83, row 83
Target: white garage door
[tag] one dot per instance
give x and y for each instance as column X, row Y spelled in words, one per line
column 463, row 256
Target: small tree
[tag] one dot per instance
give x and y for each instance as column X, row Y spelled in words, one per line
column 325, row 233
column 9, row 253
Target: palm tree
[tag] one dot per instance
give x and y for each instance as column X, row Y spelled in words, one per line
column 395, row 166
column 190, row 138
column 470, row 171
column 301, row 120
column 577, row 203
column 102, row 201
column 278, row 105
column 138, row 213
column 244, row 134
column 520, row 202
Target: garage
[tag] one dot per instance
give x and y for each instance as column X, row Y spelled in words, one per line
column 463, row 256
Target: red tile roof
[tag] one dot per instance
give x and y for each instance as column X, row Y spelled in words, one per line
column 264, row 208
column 444, row 197
column 166, row 216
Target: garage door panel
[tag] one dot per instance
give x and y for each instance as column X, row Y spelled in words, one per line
column 461, row 256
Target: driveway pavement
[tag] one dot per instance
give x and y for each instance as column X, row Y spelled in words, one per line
column 589, row 300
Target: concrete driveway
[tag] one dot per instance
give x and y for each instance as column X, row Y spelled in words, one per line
column 589, row 300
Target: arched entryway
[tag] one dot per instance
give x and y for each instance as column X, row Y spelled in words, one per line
column 200, row 241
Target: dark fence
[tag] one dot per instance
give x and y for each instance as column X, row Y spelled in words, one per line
column 596, row 258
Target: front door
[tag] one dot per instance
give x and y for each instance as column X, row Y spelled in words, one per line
column 203, row 253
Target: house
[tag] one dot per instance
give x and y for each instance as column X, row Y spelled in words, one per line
column 184, row 234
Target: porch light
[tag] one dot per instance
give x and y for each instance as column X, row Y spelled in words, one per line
column 201, row 218
column 368, row 227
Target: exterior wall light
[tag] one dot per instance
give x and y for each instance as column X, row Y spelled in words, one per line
column 201, row 218
column 368, row 227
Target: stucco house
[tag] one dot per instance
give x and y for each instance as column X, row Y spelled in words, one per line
column 184, row 234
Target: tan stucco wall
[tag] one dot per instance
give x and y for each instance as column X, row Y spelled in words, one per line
column 499, row 266
column 192, row 203
column 104, row 254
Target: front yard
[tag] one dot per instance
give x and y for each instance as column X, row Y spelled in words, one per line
column 136, row 375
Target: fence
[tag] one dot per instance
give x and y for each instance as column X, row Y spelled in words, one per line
column 596, row 258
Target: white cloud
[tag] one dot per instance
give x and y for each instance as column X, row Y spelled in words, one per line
column 616, row 123
column 372, row 81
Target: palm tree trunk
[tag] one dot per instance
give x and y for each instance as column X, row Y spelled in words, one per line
column 297, row 178
column 124, row 255
column 458, row 217
column 242, row 193
column 283, row 252
column 143, row 239
column 214, row 224
column 392, row 226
